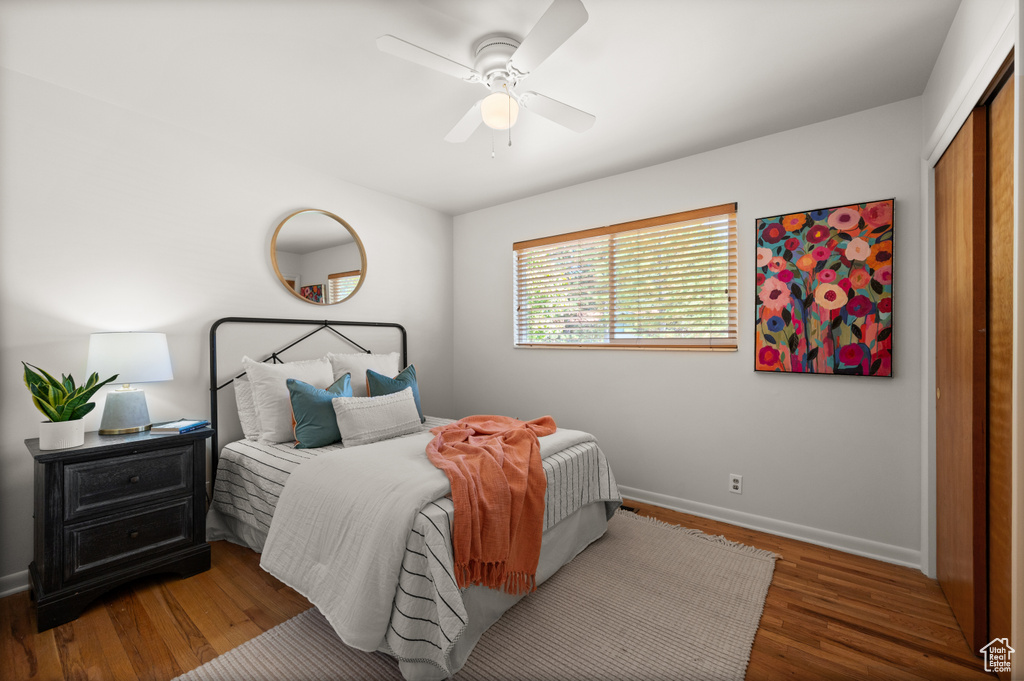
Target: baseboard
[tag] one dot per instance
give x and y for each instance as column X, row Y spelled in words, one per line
column 812, row 535
column 12, row 584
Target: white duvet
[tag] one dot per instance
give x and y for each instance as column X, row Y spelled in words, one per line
column 340, row 528
column 339, row 532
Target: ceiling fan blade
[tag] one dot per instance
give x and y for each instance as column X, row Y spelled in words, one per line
column 418, row 55
column 555, row 111
column 466, row 126
column 561, row 20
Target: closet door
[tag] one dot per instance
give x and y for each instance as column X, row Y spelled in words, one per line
column 960, row 376
column 1000, row 356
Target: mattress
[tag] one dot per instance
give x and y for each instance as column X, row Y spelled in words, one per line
column 434, row 625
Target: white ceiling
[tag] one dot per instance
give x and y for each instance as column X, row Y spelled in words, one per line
column 304, row 81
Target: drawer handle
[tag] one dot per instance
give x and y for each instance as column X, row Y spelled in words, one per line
column 134, row 534
column 133, row 479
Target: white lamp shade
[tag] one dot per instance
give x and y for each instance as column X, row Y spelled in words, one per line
column 134, row 357
column 499, row 111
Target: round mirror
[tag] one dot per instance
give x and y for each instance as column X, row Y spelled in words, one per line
column 318, row 257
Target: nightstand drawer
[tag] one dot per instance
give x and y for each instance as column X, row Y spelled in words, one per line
column 111, row 483
column 93, row 545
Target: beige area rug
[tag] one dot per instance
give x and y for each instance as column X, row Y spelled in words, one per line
column 646, row 601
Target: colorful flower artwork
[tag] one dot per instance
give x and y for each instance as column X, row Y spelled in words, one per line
column 824, row 291
column 313, row 293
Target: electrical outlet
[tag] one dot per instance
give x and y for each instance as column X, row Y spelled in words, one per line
column 735, row 483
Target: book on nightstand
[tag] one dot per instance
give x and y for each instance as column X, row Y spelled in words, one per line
column 179, row 426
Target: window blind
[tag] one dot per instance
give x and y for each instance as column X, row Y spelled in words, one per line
column 341, row 284
column 665, row 282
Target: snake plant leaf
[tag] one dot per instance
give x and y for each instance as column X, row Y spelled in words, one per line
column 68, row 382
column 54, row 397
column 76, row 408
column 32, row 378
column 40, row 392
column 48, row 411
column 36, row 391
column 60, row 393
column 62, row 412
column 75, row 402
column 88, row 392
column 93, row 378
column 50, row 379
column 42, row 399
column 82, row 410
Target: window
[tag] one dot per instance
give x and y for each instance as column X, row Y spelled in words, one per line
column 665, row 282
column 341, row 284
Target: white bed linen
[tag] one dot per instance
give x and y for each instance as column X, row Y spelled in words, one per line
column 340, row 529
column 426, row 622
column 250, row 477
column 484, row 606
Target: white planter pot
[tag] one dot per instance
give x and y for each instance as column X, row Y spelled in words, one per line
column 61, row 434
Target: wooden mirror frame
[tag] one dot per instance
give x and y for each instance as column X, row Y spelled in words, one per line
column 340, row 221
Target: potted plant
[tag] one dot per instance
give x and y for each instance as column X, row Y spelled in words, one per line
column 64, row 404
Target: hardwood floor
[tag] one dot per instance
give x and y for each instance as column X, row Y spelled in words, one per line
column 833, row 615
column 828, row 615
column 152, row 629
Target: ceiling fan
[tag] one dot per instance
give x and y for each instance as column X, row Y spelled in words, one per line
column 501, row 64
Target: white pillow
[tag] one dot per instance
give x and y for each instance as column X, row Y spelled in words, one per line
column 357, row 364
column 246, row 408
column 362, row 420
column 270, row 392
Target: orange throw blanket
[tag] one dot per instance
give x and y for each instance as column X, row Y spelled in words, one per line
column 498, row 485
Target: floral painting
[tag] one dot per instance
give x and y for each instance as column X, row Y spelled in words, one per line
column 824, row 291
column 313, row 293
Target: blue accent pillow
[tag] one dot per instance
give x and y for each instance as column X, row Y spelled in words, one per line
column 316, row 424
column 379, row 384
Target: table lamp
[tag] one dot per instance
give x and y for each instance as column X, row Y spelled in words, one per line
column 135, row 358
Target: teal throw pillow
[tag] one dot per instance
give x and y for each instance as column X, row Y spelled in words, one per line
column 379, row 384
column 316, row 424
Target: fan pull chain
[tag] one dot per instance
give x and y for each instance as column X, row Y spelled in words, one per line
column 492, row 142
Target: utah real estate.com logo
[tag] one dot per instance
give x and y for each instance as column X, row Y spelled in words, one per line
column 997, row 655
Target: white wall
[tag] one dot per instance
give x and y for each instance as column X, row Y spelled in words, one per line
column 112, row 221
column 832, row 459
column 978, row 40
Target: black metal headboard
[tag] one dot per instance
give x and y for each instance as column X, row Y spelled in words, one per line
column 321, row 325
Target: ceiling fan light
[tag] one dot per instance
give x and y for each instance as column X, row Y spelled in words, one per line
column 499, row 111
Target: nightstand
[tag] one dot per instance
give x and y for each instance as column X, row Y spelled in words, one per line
column 114, row 509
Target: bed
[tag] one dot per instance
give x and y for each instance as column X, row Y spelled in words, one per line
column 427, row 623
